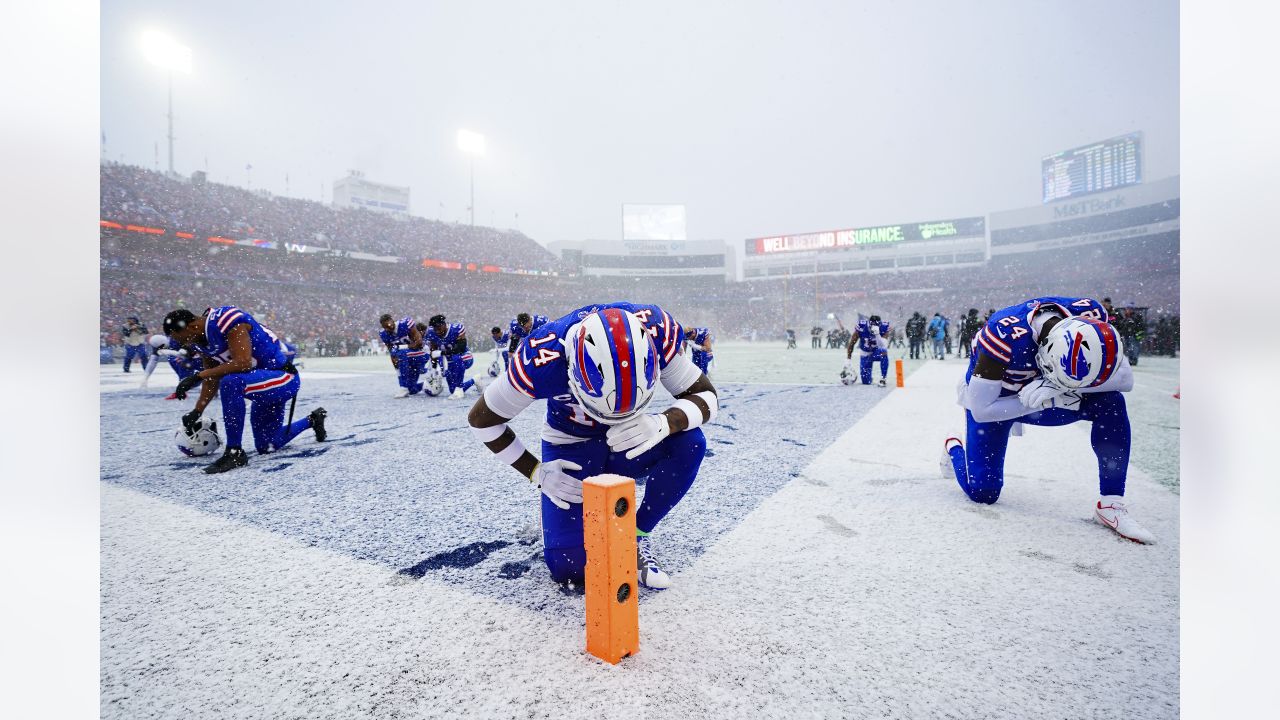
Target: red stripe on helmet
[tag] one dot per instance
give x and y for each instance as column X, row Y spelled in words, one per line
column 618, row 328
column 1110, row 352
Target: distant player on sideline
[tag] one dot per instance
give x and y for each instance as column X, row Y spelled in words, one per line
column 134, row 335
column 1049, row 361
column 699, row 339
column 521, row 326
column 871, row 337
column 448, row 345
column 598, row 367
column 242, row 361
column 408, row 356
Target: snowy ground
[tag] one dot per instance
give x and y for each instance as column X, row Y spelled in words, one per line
column 823, row 567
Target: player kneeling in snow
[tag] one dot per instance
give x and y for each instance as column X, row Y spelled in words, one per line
column 242, row 361
column 598, row 367
column 1049, row 361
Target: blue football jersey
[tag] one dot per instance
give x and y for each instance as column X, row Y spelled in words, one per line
column 539, row 369
column 867, row 335
column 265, row 346
column 454, row 335
column 701, row 335
column 401, row 334
column 518, row 332
column 1008, row 337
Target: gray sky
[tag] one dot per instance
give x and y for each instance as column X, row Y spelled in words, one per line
column 762, row 117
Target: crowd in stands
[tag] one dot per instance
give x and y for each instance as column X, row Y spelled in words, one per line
column 131, row 194
column 329, row 303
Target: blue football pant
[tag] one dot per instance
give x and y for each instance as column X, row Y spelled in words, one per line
column 458, row 366
column 979, row 465
column 183, row 368
column 132, row 351
column 702, row 360
column 412, row 363
column 869, row 359
column 671, row 467
column 270, row 392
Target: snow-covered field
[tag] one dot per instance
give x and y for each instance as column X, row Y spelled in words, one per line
column 823, row 566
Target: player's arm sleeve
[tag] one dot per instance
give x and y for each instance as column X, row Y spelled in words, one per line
column 1120, row 381
column 501, row 402
column 679, row 375
column 503, row 398
column 982, row 398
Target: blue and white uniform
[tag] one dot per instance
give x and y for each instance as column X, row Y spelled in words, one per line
column 453, row 347
column 410, row 363
column 268, row 385
column 517, row 333
column 540, row 370
column 182, row 366
column 501, row 344
column 1011, row 336
column 873, row 344
column 702, row 358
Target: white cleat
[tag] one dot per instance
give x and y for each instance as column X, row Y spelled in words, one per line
column 1112, row 512
column 457, row 394
column 944, row 463
column 402, row 392
column 650, row 575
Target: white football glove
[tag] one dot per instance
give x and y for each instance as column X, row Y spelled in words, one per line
column 1043, row 394
column 638, row 435
column 848, row 364
column 556, row 484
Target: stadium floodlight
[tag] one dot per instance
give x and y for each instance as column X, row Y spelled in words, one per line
column 472, row 144
column 164, row 52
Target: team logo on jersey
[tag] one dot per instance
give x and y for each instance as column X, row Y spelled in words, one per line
column 1075, row 364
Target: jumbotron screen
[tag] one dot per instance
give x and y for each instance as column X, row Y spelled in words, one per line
column 653, row 222
column 1102, row 166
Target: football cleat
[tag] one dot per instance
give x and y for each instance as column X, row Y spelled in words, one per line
column 230, row 460
column 402, row 392
column 945, row 465
column 649, row 574
column 317, row 417
column 1112, row 512
column 457, row 394
column 882, row 383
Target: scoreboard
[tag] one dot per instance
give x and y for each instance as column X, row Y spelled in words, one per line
column 1099, row 167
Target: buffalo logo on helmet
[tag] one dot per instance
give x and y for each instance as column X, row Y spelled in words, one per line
column 1075, row 363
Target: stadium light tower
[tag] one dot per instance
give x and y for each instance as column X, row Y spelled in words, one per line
column 472, row 143
column 172, row 56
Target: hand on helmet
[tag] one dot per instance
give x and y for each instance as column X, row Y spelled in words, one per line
column 1044, row 394
column 189, row 421
column 638, row 435
column 560, row 487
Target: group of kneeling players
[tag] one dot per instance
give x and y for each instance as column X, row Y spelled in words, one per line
column 1050, row 361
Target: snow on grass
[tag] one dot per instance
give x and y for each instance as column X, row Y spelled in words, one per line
column 823, row 568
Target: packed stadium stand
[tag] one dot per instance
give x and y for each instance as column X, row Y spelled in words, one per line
column 169, row 243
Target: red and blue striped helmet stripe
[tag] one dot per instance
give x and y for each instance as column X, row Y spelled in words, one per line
column 623, row 355
column 1110, row 350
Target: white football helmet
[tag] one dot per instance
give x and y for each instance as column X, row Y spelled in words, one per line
column 203, row 439
column 1079, row 352
column 613, row 365
column 847, row 377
